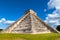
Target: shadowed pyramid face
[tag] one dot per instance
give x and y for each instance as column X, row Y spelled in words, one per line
column 29, row 23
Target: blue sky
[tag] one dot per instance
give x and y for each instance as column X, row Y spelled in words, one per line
column 11, row 10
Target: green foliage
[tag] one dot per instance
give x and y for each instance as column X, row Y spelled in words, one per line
column 1, row 30
column 51, row 36
column 58, row 28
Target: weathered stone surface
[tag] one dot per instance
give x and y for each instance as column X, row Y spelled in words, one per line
column 29, row 23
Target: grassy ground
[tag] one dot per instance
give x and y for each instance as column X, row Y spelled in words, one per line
column 51, row 36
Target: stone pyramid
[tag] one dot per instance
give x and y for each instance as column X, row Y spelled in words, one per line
column 29, row 23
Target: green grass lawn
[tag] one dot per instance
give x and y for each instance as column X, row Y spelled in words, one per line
column 51, row 36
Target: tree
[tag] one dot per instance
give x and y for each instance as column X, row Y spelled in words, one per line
column 1, row 30
column 58, row 28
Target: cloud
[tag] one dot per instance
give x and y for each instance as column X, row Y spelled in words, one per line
column 0, row 27
column 4, row 23
column 9, row 22
column 53, row 18
column 3, row 20
column 54, row 4
column 45, row 10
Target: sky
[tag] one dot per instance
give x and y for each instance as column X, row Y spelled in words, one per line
column 47, row 10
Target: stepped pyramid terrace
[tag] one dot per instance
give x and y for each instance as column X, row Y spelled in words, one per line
column 30, row 23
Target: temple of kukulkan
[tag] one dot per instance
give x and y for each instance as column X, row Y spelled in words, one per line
column 30, row 23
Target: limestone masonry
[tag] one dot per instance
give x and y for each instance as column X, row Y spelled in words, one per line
column 29, row 23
